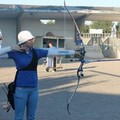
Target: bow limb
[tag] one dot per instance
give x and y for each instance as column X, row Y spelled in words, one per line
column 79, row 75
column 72, row 18
column 69, row 101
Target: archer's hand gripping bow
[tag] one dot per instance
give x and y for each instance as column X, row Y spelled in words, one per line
column 80, row 51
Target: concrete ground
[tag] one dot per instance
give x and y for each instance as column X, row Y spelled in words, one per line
column 97, row 98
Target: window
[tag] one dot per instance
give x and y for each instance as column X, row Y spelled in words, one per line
column 61, row 43
column 47, row 21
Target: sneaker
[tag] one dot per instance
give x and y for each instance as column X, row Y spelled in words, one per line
column 46, row 70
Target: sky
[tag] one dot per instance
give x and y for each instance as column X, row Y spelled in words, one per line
column 96, row 3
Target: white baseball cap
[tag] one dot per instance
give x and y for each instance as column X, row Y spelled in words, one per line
column 24, row 36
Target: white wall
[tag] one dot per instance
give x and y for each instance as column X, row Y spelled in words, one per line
column 8, row 28
column 58, row 29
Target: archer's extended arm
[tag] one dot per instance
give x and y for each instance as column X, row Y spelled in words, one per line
column 57, row 52
column 5, row 50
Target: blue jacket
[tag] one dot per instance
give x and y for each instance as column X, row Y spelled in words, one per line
column 22, row 59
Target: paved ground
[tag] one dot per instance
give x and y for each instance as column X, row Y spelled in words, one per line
column 97, row 98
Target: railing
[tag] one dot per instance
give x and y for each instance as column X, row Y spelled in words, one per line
column 104, row 35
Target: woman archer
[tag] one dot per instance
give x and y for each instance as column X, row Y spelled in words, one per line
column 26, row 92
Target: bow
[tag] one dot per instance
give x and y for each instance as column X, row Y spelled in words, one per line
column 81, row 51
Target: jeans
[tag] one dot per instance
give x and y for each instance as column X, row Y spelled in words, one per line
column 25, row 98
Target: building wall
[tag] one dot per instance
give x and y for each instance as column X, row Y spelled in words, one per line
column 8, row 28
column 60, row 28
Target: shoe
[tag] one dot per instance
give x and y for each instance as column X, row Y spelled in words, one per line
column 46, row 70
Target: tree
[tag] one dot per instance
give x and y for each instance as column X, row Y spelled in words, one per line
column 85, row 29
column 105, row 25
